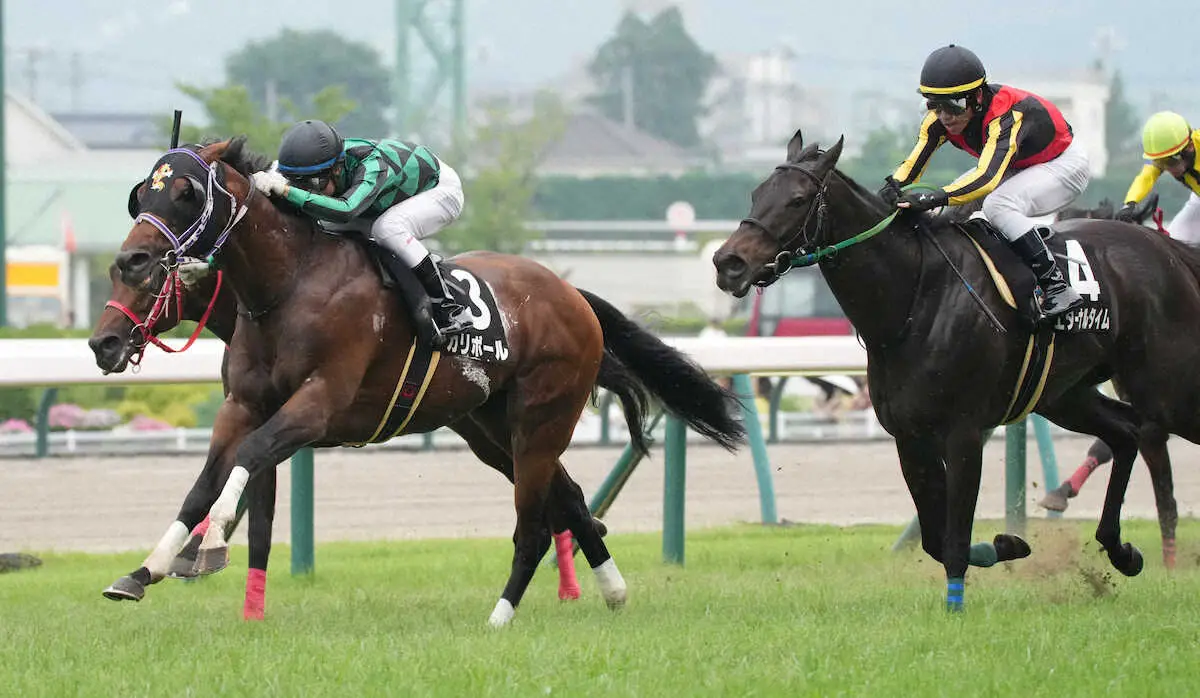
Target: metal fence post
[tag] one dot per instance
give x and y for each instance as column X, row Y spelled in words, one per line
column 302, row 512
column 674, row 484
column 1014, row 478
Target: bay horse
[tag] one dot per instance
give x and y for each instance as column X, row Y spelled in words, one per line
column 1152, row 443
column 945, row 350
column 318, row 358
column 133, row 319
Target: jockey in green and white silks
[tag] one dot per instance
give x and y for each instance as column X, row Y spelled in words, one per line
column 399, row 193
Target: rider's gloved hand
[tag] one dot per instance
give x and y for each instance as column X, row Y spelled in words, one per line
column 919, row 200
column 1127, row 212
column 890, row 192
column 270, row 182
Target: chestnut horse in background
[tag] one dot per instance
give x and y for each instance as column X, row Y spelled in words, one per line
column 319, row 349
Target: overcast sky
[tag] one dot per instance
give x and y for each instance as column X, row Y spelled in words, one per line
column 134, row 51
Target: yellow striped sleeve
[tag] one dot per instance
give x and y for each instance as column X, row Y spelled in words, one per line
column 932, row 135
column 998, row 152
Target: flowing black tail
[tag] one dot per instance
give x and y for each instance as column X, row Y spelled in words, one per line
column 637, row 363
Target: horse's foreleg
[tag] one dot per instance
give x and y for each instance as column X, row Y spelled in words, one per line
column 303, row 419
column 232, row 423
column 964, row 463
column 925, row 476
column 1153, row 445
column 261, row 493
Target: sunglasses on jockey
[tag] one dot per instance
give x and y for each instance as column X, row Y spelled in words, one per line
column 310, row 178
column 952, row 106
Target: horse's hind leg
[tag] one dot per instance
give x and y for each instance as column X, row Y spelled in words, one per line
column 543, row 413
column 1153, row 444
column 1086, row 410
column 1097, row 455
column 487, row 434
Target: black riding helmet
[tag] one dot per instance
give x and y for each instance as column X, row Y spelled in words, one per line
column 950, row 74
column 308, row 148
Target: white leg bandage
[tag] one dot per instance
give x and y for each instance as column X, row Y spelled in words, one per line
column 611, row 583
column 503, row 613
column 168, row 547
column 224, row 509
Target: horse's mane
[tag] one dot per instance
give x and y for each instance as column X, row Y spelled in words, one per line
column 242, row 159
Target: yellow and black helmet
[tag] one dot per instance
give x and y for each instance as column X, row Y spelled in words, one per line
column 951, row 72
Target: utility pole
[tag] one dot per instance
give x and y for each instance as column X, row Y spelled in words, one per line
column 422, row 24
column 3, row 177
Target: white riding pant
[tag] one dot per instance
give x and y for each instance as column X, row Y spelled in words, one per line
column 402, row 227
column 1038, row 190
column 1185, row 226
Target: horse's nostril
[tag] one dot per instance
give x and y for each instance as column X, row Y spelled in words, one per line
column 107, row 346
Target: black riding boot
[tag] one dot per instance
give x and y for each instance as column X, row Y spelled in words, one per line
column 1057, row 295
column 449, row 316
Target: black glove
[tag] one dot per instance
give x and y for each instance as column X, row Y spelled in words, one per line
column 1127, row 213
column 890, row 192
column 920, row 200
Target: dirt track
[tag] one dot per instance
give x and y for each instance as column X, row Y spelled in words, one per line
column 126, row 503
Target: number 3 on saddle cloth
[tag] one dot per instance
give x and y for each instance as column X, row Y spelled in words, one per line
column 1016, row 283
column 484, row 340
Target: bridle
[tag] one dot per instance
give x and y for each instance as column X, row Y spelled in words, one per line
column 789, row 258
column 784, row 260
column 142, row 333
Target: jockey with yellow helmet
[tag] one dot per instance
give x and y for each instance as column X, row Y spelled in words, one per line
column 1029, row 164
column 1169, row 145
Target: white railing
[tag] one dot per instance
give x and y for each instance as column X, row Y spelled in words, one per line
column 57, row 362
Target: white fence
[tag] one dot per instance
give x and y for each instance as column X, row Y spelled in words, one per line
column 58, row 362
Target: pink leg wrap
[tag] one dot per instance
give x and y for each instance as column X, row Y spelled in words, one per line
column 256, row 594
column 1081, row 474
column 201, row 528
column 564, row 550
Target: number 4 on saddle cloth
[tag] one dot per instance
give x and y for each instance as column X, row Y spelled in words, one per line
column 1018, row 286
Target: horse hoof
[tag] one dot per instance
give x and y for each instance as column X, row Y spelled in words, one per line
column 615, row 600
column 1054, row 501
column 1129, row 561
column 182, row 568
column 568, row 593
column 954, row 607
column 600, row 527
column 211, row 560
column 125, row 589
column 1010, row 547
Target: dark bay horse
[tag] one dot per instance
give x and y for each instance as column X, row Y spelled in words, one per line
column 139, row 315
column 317, row 355
column 945, row 351
column 1153, row 439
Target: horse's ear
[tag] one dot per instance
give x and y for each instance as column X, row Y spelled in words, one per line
column 135, row 205
column 233, row 151
column 830, row 157
column 795, row 146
